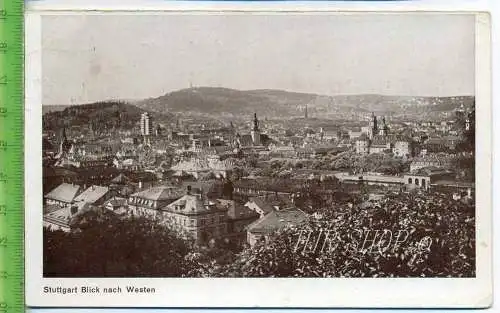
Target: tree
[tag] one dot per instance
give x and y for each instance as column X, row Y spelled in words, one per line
column 105, row 246
column 437, row 242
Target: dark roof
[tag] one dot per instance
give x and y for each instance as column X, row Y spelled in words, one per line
column 262, row 204
column 276, row 220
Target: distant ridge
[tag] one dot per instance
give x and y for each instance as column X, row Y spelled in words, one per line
column 53, row 108
column 101, row 115
column 280, row 103
column 220, row 103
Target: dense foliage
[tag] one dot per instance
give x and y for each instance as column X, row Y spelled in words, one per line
column 419, row 235
column 385, row 163
column 435, row 239
column 108, row 246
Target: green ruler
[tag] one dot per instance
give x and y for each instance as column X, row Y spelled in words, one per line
column 11, row 157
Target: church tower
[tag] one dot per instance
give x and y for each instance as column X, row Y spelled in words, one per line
column 384, row 130
column 373, row 126
column 65, row 145
column 255, row 131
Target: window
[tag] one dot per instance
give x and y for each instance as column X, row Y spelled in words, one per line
column 423, row 182
column 409, row 180
column 416, row 181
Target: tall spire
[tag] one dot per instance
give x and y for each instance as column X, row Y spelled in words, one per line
column 255, row 133
column 305, row 113
column 384, row 129
column 374, row 123
column 64, row 145
column 255, row 122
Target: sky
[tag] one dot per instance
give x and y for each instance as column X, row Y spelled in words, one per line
column 87, row 58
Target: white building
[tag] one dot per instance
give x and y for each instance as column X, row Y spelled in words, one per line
column 146, row 124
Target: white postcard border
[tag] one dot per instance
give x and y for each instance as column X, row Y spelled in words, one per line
column 262, row 292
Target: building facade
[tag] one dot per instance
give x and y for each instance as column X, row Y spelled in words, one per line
column 149, row 201
column 195, row 217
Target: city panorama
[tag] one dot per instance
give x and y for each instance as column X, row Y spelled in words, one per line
column 223, row 149
column 130, row 192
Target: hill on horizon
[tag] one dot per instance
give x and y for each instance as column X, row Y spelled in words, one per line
column 99, row 115
column 286, row 104
column 220, row 104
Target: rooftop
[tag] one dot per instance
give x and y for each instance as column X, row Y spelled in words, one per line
column 190, row 204
column 159, row 193
column 276, row 220
column 64, row 192
column 261, row 203
column 92, row 194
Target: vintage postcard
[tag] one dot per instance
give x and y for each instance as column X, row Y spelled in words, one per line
column 258, row 158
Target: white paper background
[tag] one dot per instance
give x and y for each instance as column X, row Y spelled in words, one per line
column 244, row 292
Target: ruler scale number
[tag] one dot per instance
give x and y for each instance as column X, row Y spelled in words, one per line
column 11, row 157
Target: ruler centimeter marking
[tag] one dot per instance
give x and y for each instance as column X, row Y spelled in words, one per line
column 11, row 157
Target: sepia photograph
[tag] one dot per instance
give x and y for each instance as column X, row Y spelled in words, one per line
column 183, row 145
column 259, row 146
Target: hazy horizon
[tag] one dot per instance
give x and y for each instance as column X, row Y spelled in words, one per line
column 261, row 89
column 90, row 58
